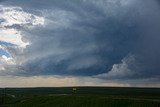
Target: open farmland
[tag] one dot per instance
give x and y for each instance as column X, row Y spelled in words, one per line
column 80, row 97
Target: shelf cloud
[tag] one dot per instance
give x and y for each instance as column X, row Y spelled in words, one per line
column 105, row 39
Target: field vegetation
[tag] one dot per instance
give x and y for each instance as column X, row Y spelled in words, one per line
column 80, row 97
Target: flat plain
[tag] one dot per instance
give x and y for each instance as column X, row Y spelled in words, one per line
column 80, row 97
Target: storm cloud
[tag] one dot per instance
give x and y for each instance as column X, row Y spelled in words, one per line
column 106, row 39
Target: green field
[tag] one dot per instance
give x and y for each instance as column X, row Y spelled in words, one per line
column 82, row 97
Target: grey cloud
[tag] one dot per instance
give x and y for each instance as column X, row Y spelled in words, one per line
column 88, row 38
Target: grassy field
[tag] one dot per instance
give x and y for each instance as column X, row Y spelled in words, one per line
column 82, row 97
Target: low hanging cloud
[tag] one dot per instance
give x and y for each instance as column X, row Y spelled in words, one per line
column 121, row 70
column 106, row 39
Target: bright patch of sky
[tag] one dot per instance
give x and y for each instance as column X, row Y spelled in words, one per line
column 2, row 52
column 13, row 20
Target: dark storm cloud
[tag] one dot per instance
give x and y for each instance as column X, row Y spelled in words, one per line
column 2, row 0
column 88, row 38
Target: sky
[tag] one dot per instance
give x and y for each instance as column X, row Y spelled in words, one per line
column 45, row 43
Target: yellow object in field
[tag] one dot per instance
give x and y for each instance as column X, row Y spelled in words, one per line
column 74, row 89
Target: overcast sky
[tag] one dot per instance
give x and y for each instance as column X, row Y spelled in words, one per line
column 79, row 42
